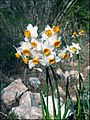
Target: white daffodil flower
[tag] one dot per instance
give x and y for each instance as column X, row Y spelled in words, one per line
column 35, row 53
column 57, row 59
column 54, row 40
column 43, row 61
column 62, row 54
column 18, row 53
column 25, row 48
column 81, row 32
column 25, row 45
column 74, row 34
column 47, row 48
column 33, row 62
column 75, row 48
column 69, row 51
column 47, row 33
column 17, row 49
column 26, row 39
column 47, row 60
column 31, row 31
column 39, row 69
column 36, row 45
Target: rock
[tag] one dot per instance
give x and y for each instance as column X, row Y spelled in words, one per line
column 29, row 99
column 27, row 113
column 60, row 73
column 74, row 99
column 50, row 106
column 61, row 91
column 35, row 99
column 11, row 79
column 28, row 106
column 25, row 99
column 87, row 68
column 22, row 112
column 73, row 74
column 36, row 113
column 34, row 81
column 73, row 64
column 13, row 91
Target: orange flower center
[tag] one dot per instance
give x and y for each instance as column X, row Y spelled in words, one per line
column 57, row 43
column 56, row 29
column 74, row 49
column 17, row 55
column 26, row 52
column 74, row 33
column 35, row 61
column 82, row 31
column 25, row 60
column 51, row 61
column 48, row 33
column 27, row 33
column 34, row 44
column 64, row 56
column 46, row 51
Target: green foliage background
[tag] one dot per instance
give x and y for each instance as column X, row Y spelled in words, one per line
column 17, row 14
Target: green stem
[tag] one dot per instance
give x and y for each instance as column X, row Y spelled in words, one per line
column 67, row 92
column 52, row 92
column 79, row 107
column 42, row 103
column 79, row 71
column 79, row 103
column 47, row 89
column 55, row 81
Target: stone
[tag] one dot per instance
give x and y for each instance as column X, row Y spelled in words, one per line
column 35, row 99
column 74, row 99
column 21, row 112
column 27, row 113
column 87, row 68
column 73, row 64
column 61, row 91
column 73, row 74
column 36, row 113
column 25, row 99
column 13, row 91
column 50, row 106
column 33, row 81
column 60, row 73
column 29, row 99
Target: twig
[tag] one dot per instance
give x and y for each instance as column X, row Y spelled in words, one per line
column 4, row 114
column 69, row 4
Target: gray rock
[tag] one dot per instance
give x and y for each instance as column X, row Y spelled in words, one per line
column 60, row 73
column 27, row 113
column 25, row 99
column 34, row 82
column 61, row 91
column 36, row 113
column 35, row 99
column 13, row 91
column 50, row 107
column 21, row 112
column 29, row 99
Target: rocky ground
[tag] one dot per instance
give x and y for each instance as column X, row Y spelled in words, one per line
column 22, row 97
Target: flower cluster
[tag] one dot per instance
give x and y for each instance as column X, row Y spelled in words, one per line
column 46, row 49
